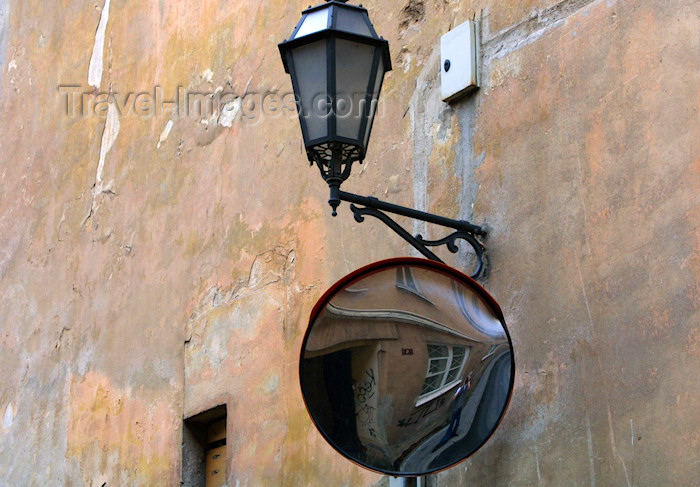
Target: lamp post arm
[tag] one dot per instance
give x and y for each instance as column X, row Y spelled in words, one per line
column 377, row 204
column 465, row 230
column 417, row 244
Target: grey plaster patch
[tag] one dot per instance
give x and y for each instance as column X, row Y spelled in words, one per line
column 431, row 119
column 466, row 171
column 466, row 112
column 426, row 109
column 272, row 383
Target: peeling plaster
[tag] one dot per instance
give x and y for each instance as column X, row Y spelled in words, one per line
column 165, row 134
column 229, row 112
column 109, row 136
column 591, row 456
column 9, row 417
column 9, row 242
column 529, row 30
column 4, row 30
column 96, row 61
column 207, row 75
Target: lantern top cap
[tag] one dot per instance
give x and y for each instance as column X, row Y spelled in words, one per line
column 335, row 18
column 330, row 3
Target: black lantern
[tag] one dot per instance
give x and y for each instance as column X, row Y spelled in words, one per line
column 337, row 63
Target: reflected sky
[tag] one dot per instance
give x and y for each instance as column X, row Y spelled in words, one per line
column 408, row 369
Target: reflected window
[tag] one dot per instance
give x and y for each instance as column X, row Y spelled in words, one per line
column 445, row 364
column 405, row 281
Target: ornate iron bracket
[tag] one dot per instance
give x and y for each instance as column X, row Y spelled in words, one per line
column 465, row 230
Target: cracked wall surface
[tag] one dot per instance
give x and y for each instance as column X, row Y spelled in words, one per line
column 155, row 264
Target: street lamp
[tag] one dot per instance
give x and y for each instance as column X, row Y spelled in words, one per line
column 337, row 64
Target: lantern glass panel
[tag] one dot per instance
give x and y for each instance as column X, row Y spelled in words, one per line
column 309, row 63
column 375, row 99
column 314, row 22
column 351, row 20
column 353, row 71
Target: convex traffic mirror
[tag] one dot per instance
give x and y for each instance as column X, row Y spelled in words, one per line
column 407, row 366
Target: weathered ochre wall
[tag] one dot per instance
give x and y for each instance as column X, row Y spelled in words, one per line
column 591, row 181
column 154, row 266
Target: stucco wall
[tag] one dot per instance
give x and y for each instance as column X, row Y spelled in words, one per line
column 157, row 265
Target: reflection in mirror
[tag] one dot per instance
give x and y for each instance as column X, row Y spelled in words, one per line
column 407, row 366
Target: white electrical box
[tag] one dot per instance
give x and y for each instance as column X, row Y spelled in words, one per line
column 459, row 61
